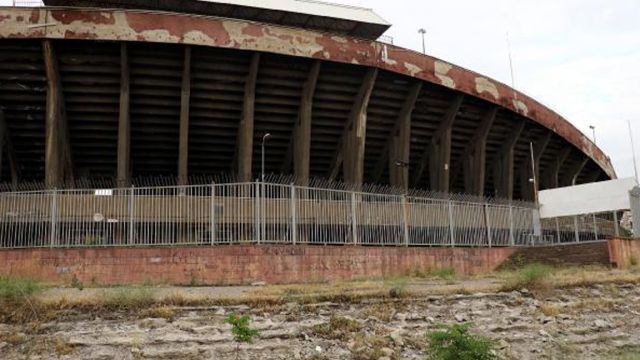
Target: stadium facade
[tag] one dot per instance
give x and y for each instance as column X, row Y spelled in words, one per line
column 122, row 89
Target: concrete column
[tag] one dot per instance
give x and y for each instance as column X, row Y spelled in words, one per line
column 475, row 157
column 400, row 142
column 302, row 130
column 245, row 130
column 54, row 134
column 503, row 170
column 185, row 96
column 551, row 175
column 570, row 176
column 124, row 122
column 350, row 151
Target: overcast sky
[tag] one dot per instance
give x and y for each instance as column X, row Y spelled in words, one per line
column 581, row 58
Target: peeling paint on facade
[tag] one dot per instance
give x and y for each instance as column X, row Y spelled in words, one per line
column 133, row 25
column 442, row 72
column 485, row 85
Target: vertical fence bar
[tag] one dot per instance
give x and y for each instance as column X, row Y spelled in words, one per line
column 616, row 231
column 451, row 231
column 256, row 211
column 54, row 210
column 595, row 227
column 512, row 239
column 212, row 215
column 558, row 231
column 487, row 223
column 577, row 231
column 354, row 224
column 294, row 215
column 405, row 219
column 131, row 222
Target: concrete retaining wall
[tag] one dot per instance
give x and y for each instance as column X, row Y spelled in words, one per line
column 241, row 264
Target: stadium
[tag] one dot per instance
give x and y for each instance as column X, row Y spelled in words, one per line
column 129, row 89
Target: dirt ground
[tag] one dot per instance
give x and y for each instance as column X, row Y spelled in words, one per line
column 583, row 320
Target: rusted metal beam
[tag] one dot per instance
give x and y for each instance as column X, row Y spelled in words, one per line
column 437, row 153
column 124, row 122
column 185, row 96
column 503, row 165
column 395, row 153
column 572, row 173
column 350, row 148
column 475, row 155
column 57, row 148
column 301, row 140
column 527, row 190
column 244, row 157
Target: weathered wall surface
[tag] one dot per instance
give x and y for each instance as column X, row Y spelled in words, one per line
column 241, row 264
column 624, row 253
column 591, row 253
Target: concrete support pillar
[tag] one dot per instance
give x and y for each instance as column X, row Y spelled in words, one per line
column 350, row 151
column 571, row 174
column 551, row 175
column 302, row 129
column 438, row 152
column 7, row 149
column 185, row 96
column 400, row 142
column 503, row 168
column 244, row 153
column 124, row 123
column 54, row 120
column 475, row 156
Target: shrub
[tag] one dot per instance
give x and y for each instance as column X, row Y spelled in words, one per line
column 240, row 329
column 454, row 342
column 397, row 287
column 532, row 276
column 338, row 328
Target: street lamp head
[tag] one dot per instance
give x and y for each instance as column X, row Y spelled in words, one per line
column 592, row 127
column 266, row 136
column 422, row 31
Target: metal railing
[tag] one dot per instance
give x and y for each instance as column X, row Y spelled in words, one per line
column 256, row 213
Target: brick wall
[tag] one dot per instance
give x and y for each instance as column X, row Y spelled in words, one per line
column 592, row 253
column 623, row 253
column 241, row 264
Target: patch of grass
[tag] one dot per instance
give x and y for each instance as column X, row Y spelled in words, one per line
column 633, row 261
column 338, row 328
column 549, row 309
column 446, row 273
column 76, row 283
column 397, row 287
column 455, row 342
column 532, row 277
column 128, row 298
column 13, row 289
column 383, row 311
column 162, row 311
column 372, row 347
column 63, row 347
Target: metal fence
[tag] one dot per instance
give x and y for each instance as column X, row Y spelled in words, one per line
column 257, row 213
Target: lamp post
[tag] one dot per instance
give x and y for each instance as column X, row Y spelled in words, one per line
column 264, row 140
column 422, row 32
column 593, row 130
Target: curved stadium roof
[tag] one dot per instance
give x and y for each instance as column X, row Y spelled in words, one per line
column 197, row 92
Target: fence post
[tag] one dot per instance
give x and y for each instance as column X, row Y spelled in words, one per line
column 54, row 210
column 451, row 231
column 575, row 225
column 256, row 212
column 512, row 238
column 487, row 223
column 405, row 218
column 616, row 230
column 354, row 224
column 558, row 230
column 595, row 226
column 212, row 215
column 131, row 215
column 292, row 210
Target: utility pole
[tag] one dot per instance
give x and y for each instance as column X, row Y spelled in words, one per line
column 633, row 151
